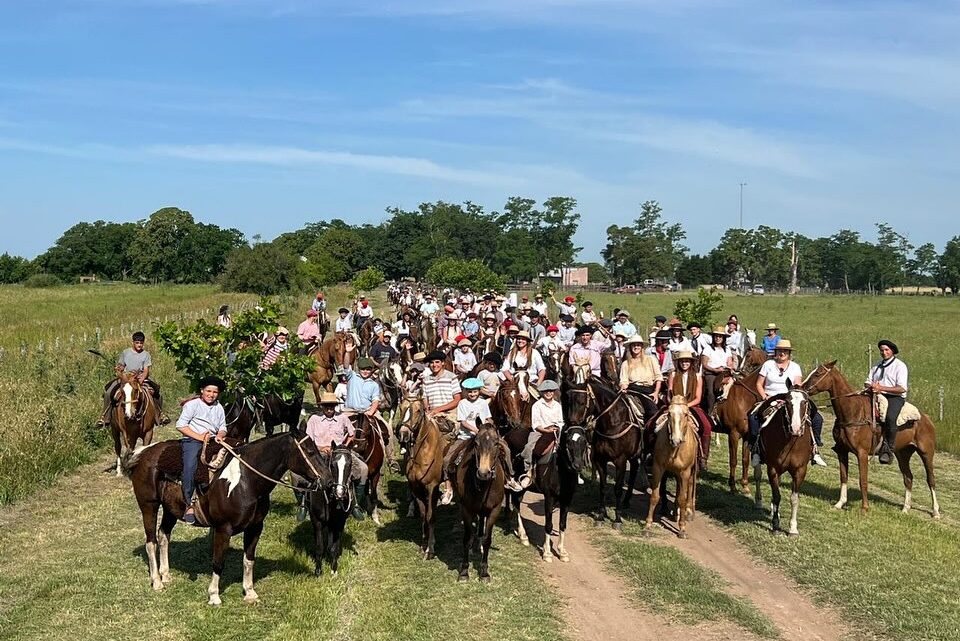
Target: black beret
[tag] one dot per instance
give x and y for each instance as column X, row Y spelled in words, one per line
column 566, row 318
column 343, row 310
column 694, row 324
column 585, row 329
column 207, row 381
column 660, row 319
column 435, row 355
column 493, row 357
column 890, row 344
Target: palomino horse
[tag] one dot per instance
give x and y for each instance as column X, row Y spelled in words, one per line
column 675, row 452
column 557, row 479
column 478, row 484
column 134, row 415
column 329, row 507
column 854, row 433
column 731, row 417
column 424, row 467
column 786, row 445
column 236, row 501
column 368, row 443
column 616, row 437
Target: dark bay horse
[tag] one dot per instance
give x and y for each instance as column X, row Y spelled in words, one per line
column 237, row 500
column 329, row 508
column 133, row 416
column 786, row 445
column 369, row 444
column 479, row 486
column 367, row 337
column 675, row 452
column 731, row 417
column 245, row 414
column 616, row 437
column 424, row 467
column 855, row 432
column 557, row 480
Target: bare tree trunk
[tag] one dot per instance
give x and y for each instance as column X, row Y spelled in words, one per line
column 794, row 261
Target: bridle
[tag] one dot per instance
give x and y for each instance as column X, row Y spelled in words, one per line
column 306, row 459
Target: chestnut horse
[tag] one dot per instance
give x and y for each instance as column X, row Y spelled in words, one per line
column 236, row 501
column 731, row 417
column 675, row 448
column 424, row 467
column 133, row 416
column 786, row 445
column 856, row 432
column 331, row 353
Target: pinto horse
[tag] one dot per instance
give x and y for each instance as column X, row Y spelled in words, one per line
column 616, row 438
column 786, row 445
column 424, row 469
column 675, row 449
column 479, row 486
column 133, row 416
column 329, row 508
column 369, row 444
column 855, row 432
column 237, row 500
column 731, row 417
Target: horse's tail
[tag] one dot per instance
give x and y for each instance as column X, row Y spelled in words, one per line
column 130, row 459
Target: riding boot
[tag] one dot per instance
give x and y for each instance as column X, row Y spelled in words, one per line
column 889, row 437
column 358, row 511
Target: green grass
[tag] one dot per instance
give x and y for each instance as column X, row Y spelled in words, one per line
column 669, row 583
column 73, row 567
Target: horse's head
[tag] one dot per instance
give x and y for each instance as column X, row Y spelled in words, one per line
column 340, row 468
column 129, row 393
column 678, row 414
column 820, row 379
column 580, row 401
column 798, row 405
column 306, row 460
column 487, row 450
column 412, row 415
column 574, row 444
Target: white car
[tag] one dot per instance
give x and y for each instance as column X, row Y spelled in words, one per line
column 758, row 290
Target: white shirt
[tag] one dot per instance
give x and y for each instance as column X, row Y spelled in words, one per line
column 344, row 323
column 535, row 365
column 716, row 358
column 682, row 345
column 588, row 317
column 567, row 309
column 775, row 381
column 893, row 375
column 464, row 362
column 429, row 309
column 700, row 343
column 364, row 312
column 541, row 307
column 471, row 411
column 201, row 417
column 544, row 414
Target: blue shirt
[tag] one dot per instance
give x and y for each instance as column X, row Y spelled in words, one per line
column 770, row 343
column 627, row 328
column 202, row 417
column 361, row 393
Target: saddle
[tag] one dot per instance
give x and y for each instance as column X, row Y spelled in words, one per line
column 545, row 449
column 768, row 412
column 213, row 457
column 908, row 414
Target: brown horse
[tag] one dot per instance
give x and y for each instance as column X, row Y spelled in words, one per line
column 367, row 337
column 428, row 331
column 133, row 416
column 331, row 353
column 369, row 444
column 856, row 432
column 486, row 343
column 236, row 501
column 753, row 359
column 479, row 486
column 786, row 445
column 731, row 417
column 424, row 468
column 675, row 452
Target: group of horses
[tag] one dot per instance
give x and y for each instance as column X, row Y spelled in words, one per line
column 603, row 426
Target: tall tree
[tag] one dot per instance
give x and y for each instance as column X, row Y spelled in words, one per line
column 948, row 266
column 99, row 248
column 650, row 248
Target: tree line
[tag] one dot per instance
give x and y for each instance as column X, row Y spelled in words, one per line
column 452, row 243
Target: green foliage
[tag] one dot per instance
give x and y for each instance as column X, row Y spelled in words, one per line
column 461, row 274
column 369, row 279
column 649, row 248
column 234, row 354
column 263, row 269
column 948, row 266
column 42, row 280
column 14, row 269
column 99, row 248
column 701, row 310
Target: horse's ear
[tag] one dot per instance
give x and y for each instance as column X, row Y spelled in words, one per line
column 789, row 384
column 333, row 445
column 479, row 423
column 830, row 364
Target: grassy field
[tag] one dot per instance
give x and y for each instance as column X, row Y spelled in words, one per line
column 823, row 328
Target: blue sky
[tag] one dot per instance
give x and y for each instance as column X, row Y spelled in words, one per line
column 267, row 114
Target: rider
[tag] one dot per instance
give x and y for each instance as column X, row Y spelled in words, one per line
column 687, row 382
column 308, row 331
column 771, row 339
column 640, row 375
column 319, row 305
column 469, row 409
column 716, row 360
column 364, row 311
column 383, row 349
column 333, row 426
column 223, row 317
column 661, row 352
column 889, row 378
column 568, row 306
column 429, row 306
column 273, row 349
column 471, row 326
column 201, row 417
column 623, row 323
column 698, row 340
column 678, row 342
column 489, row 374
column 464, row 360
column 660, row 323
column 135, row 360
column 402, row 327
column 587, row 316
column 363, row 397
column 539, row 304
column 587, row 350
column 522, row 357
column 546, row 417
column 551, row 342
column 568, row 331
column 345, row 321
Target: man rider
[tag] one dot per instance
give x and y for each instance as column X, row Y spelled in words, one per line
column 136, row 360
column 201, row 418
column 889, row 378
column 332, row 426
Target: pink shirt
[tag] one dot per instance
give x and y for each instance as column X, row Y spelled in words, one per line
column 323, row 430
column 308, row 331
column 581, row 353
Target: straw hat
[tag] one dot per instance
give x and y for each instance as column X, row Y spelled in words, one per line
column 772, row 326
column 785, row 345
column 464, row 341
column 329, row 398
column 636, row 339
column 719, row 329
column 524, row 335
column 685, row 355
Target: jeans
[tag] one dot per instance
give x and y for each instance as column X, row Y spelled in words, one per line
column 191, row 449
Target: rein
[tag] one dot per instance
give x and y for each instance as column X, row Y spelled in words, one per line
column 630, row 425
column 273, row 480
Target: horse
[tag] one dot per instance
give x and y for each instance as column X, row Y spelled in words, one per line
column 369, row 444
column 486, row 343
column 557, row 479
column 675, row 452
column 479, row 486
column 329, row 355
column 786, row 445
column 616, row 437
column 731, row 416
column 424, row 469
column 855, row 432
column 133, row 416
column 248, row 412
column 236, row 501
column 329, row 507
column 389, row 375
column 753, row 359
column 610, row 367
column 367, row 337
column 428, row 331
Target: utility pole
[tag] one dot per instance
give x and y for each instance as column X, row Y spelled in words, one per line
column 742, row 185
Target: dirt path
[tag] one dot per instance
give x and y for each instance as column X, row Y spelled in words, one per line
column 599, row 608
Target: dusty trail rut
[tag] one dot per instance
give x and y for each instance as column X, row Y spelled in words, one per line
column 598, row 605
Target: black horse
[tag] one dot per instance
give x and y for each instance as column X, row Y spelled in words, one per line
column 248, row 412
column 237, row 499
column 330, row 508
column 557, row 480
column 616, row 437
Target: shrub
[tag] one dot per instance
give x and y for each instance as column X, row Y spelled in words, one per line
column 263, row 269
column 369, row 278
column 42, row 280
column 701, row 310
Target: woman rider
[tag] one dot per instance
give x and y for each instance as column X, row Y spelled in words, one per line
column 716, row 361
column 640, row 375
column 685, row 381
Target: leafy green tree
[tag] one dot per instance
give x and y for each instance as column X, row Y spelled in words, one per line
column 461, row 274
column 14, row 269
column 923, row 264
column 368, row 279
column 948, row 266
column 99, row 248
column 702, row 309
column 695, row 270
column 892, row 251
column 650, row 248
column 263, row 269
column 158, row 244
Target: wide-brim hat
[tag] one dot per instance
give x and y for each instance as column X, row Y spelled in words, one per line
column 619, row 334
column 513, row 328
column 586, row 329
column 523, row 335
column 464, row 341
column 771, row 326
column 490, row 317
column 435, row 355
column 281, row 330
column 419, row 357
column 387, row 332
column 694, row 324
column 893, row 346
column 549, row 386
column 675, row 322
column 719, row 330
column 685, row 355
column 623, row 312
column 343, row 310
column 328, row 398
column 636, row 339
column 660, row 319
column 662, row 335
column 784, row 345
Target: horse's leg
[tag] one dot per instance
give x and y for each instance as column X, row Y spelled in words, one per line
column 926, row 455
column 683, row 487
column 602, row 474
column 488, row 524
column 654, row 491
column 251, row 536
column 429, row 518
column 166, row 528
column 796, row 478
column 521, row 531
column 221, row 541
column 631, row 481
column 561, row 549
column 466, row 544
column 775, row 496
column 733, row 441
column 333, row 548
column 758, row 496
column 319, row 546
column 547, row 525
column 372, row 497
column 149, row 513
column 903, row 460
column 843, row 459
column 863, row 467
column 745, row 466
column 621, row 472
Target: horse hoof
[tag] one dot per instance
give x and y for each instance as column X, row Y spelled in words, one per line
column 463, row 578
column 793, row 533
column 485, row 578
column 166, row 579
column 863, row 511
column 598, row 522
column 157, row 586
column 333, row 573
column 428, row 556
column 253, row 597
column 682, row 534
column 839, row 505
column 617, row 525
column 565, row 558
column 214, row 601
column 525, row 542
column 547, row 558
column 936, row 515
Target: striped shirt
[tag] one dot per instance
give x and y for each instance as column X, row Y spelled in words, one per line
column 272, row 353
column 440, row 389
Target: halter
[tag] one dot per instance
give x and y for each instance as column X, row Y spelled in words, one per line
column 342, row 486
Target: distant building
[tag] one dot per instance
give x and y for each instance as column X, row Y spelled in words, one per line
column 568, row 276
